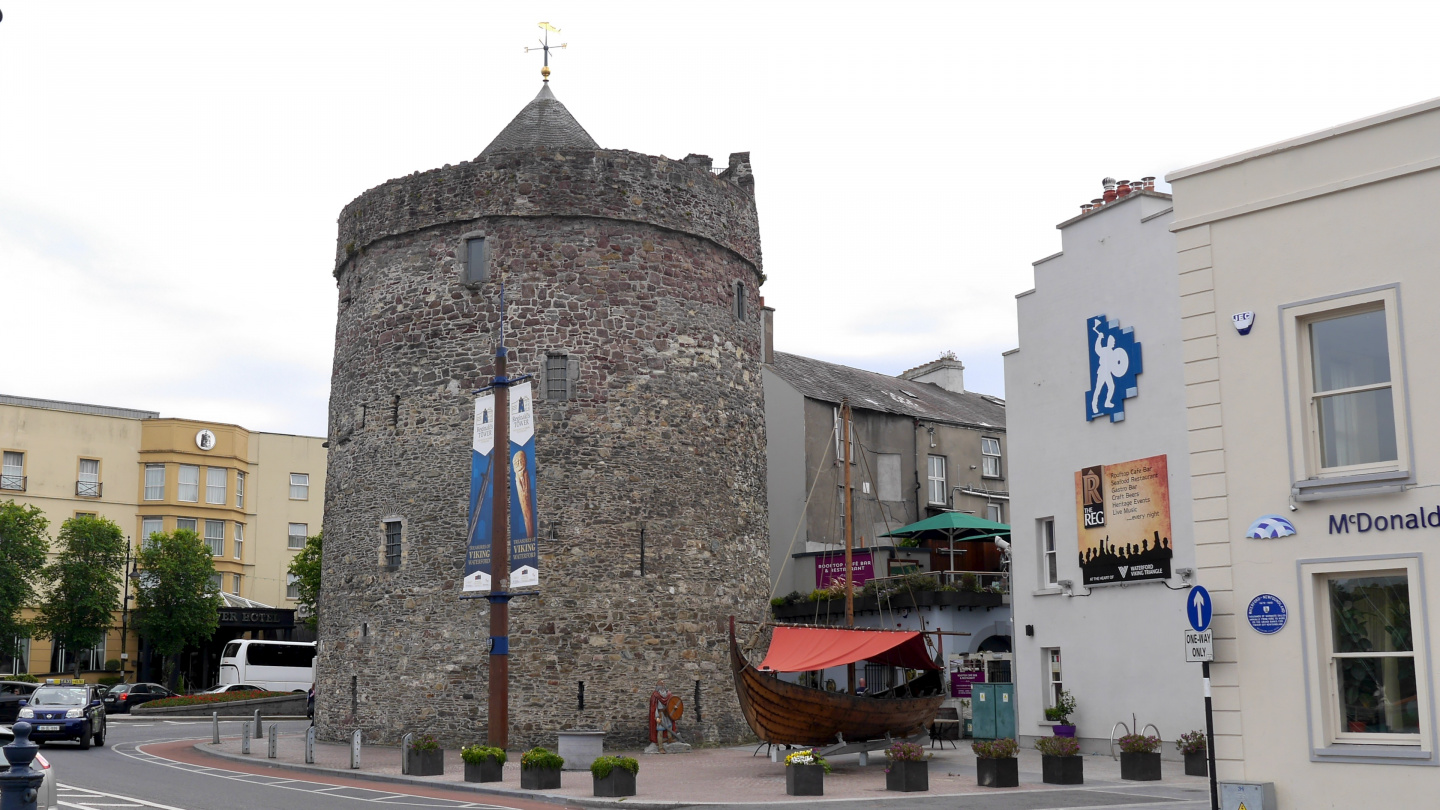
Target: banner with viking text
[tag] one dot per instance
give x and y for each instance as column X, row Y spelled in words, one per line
column 482, row 456
column 1122, row 514
column 524, row 518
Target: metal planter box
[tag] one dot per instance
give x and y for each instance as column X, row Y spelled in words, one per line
column 1140, row 767
column 539, row 778
column 805, row 780
column 908, row 776
column 620, row 782
column 1062, row 770
column 998, row 772
column 486, row 770
column 425, row 763
column 1197, row 764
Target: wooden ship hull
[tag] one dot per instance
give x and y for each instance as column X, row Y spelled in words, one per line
column 787, row 713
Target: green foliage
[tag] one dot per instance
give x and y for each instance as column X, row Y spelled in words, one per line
column 1191, row 742
column 1062, row 710
column 1003, row 748
column 909, row 583
column 23, row 678
column 176, row 604
column 476, row 754
column 23, row 546
column 807, row 757
column 1058, row 746
column 778, row 601
column 219, row 697
column 85, row 578
column 1139, row 744
column 113, row 665
column 541, row 759
column 970, row 583
column 602, row 766
column 110, row 680
column 424, row 742
column 305, row 567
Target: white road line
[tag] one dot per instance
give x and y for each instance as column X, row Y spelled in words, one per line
column 133, row 802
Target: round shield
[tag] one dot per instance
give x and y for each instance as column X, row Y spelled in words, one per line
column 674, row 708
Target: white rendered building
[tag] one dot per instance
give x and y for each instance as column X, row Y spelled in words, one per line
column 1100, row 610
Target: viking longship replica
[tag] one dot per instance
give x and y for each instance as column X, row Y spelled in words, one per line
column 785, row 713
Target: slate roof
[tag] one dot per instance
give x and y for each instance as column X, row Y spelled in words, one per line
column 871, row 390
column 544, row 123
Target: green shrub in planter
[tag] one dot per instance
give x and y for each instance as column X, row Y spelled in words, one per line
column 614, row 776
column 483, row 763
column 1060, row 761
column 1140, row 758
column 1192, row 744
column 425, row 757
column 995, row 764
column 540, row 769
column 906, row 768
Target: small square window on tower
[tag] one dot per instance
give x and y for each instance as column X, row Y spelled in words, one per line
column 477, row 268
column 739, row 294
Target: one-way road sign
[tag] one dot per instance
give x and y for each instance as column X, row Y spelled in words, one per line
column 1198, row 608
column 1200, row 646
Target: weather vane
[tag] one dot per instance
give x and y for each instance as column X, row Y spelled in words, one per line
column 546, row 46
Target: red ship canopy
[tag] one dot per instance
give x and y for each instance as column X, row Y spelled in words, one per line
column 801, row 649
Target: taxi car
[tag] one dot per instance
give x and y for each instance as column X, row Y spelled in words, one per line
column 65, row 709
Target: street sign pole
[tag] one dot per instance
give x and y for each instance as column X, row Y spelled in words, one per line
column 499, row 704
column 1210, row 739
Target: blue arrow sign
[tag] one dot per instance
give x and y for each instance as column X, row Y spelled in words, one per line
column 1198, row 608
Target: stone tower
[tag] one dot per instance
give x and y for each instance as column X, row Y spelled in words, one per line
column 631, row 287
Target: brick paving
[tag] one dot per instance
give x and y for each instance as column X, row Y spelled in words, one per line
column 716, row 775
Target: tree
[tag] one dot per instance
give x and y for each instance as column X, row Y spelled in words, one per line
column 177, row 603
column 85, row 579
column 305, row 567
column 23, row 546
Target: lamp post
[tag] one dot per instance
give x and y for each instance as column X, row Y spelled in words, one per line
column 131, row 571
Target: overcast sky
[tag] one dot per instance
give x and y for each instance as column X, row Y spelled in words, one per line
column 171, row 173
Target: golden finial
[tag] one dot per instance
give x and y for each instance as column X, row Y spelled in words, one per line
column 546, row 46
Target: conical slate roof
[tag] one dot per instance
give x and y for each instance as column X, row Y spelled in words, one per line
column 543, row 124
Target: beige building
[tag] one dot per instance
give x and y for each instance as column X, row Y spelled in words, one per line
column 254, row 497
column 1314, row 501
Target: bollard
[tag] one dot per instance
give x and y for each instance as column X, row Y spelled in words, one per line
column 864, row 758
column 404, row 753
column 214, row 728
column 245, row 738
column 274, row 740
column 310, row 746
column 259, row 728
column 355, row 749
column 20, row 786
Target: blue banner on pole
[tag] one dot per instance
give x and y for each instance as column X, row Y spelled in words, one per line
column 482, row 469
column 524, row 516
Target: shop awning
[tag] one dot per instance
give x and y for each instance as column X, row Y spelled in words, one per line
column 952, row 526
column 801, row 649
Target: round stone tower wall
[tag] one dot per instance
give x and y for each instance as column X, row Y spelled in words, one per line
column 628, row 265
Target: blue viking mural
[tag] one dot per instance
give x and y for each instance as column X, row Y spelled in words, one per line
column 1114, row 364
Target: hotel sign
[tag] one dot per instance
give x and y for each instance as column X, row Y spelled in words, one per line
column 257, row 617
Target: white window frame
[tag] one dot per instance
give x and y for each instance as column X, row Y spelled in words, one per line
column 194, row 528
column 1312, row 481
column 840, row 430
column 216, row 542
column 931, row 480
column 8, row 474
column 213, row 493
column 155, row 485
column 183, row 487
column 1049, row 555
column 995, row 512
column 291, row 535
column 292, row 587
column 239, row 540
column 146, row 530
column 1054, row 673
column 1329, row 742
column 92, row 479
column 235, row 584
column 239, row 490
column 302, row 488
column 990, row 461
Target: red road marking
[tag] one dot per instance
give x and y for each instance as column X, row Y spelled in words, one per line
column 184, row 751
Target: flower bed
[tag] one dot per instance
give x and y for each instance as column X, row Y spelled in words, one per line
column 202, row 700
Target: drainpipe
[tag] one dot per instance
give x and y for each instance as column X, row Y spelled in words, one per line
column 916, row 437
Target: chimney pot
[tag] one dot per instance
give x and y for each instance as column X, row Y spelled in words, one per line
column 1086, row 208
column 1123, row 190
column 1097, row 202
column 1148, row 182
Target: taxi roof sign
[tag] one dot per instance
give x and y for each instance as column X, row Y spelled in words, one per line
column 65, row 682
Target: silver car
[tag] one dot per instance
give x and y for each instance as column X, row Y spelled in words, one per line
column 46, row 799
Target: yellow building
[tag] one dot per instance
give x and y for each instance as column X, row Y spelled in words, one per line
column 254, row 497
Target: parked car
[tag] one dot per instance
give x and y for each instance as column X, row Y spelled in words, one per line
column 11, row 693
column 231, row 687
column 46, row 799
column 65, row 709
column 123, row 697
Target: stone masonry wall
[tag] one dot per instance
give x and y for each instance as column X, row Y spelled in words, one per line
column 665, row 434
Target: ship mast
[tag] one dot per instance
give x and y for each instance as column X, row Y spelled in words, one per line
column 845, row 456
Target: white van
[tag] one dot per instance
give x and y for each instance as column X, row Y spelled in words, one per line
column 276, row 666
